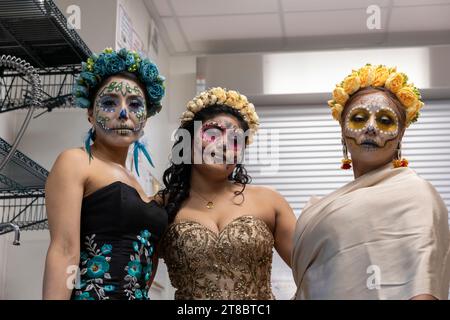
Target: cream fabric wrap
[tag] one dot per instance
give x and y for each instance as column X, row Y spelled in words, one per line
column 384, row 235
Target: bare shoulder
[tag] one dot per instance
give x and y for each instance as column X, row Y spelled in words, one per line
column 71, row 163
column 265, row 192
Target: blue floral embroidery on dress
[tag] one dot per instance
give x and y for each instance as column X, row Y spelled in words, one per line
column 138, row 270
column 95, row 268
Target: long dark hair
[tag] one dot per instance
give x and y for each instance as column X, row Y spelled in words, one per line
column 177, row 178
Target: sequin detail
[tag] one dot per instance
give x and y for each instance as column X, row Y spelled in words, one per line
column 234, row 264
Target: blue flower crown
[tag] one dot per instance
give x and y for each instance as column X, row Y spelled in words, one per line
column 108, row 63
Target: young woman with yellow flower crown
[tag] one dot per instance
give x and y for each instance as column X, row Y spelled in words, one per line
column 384, row 235
column 220, row 242
column 101, row 222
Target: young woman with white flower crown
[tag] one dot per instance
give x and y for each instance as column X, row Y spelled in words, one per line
column 384, row 235
column 101, row 222
column 223, row 230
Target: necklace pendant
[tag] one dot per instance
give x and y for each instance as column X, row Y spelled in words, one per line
column 210, row 205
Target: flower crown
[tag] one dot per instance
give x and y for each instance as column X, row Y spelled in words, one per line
column 230, row 98
column 378, row 76
column 109, row 63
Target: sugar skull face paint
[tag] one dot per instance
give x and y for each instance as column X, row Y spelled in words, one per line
column 372, row 124
column 120, row 108
column 223, row 140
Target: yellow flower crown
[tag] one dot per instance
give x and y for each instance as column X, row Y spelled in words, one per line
column 229, row 98
column 378, row 76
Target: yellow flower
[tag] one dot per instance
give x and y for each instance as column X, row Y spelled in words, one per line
column 395, row 82
column 412, row 112
column 407, row 96
column 351, row 83
column 381, row 75
column 340, row 96
column 336, row 111
column 366, row 75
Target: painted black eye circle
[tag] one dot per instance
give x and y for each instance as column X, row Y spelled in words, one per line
column 358, row 118
column 386, row 120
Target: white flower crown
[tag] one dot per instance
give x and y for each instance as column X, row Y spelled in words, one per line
column 230, row 98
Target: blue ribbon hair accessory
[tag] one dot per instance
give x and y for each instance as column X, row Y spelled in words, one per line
column 87, row 143
column 139, row 146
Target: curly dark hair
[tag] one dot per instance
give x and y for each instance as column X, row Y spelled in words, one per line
column 177, row 178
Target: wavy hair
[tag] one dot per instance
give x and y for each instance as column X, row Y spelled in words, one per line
column 177, row 178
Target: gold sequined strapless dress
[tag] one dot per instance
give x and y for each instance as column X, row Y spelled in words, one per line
column 234, row 264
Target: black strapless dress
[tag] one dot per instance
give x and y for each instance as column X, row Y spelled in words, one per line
column 119, row 233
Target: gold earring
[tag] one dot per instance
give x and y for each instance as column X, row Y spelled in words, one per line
column 400, row 162
column 346, row 162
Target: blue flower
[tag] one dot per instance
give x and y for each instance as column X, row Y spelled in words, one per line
column 130, row 59
column 80, row 91
column 138, row 294
column 123, row 53
column 115, row 64
column 135, row 269
column 83, row 296
column 106, row 249
column 148, row 71
column 101, row 65
column 84, row 66
column 82, row 102
column 148, row 271
column 90, row 78
column 136, row 246
column 144, row 241
column 145, row 234
column 97, row 266
column 109, row 288
column 156, row 92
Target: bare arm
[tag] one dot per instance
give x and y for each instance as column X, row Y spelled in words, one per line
column 63, row 195
column 285, row 221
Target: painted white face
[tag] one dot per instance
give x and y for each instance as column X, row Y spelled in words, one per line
column 372, row 128
column 372, row 123
column 120, row 110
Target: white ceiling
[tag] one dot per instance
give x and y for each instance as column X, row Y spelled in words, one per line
column 225, row 26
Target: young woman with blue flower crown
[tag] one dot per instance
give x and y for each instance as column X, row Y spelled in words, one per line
column 102, row 225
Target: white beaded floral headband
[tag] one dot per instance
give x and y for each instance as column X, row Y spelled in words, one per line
column 230, row 98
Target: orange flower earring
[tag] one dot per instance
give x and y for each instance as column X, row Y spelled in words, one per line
column 400, row 162
column 346, row 162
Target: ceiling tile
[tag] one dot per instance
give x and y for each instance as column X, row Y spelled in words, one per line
column 405, row 3
column 223, row 7
column 232, row 27
column 295, row 5
column 316, row 23
column 414, row 18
